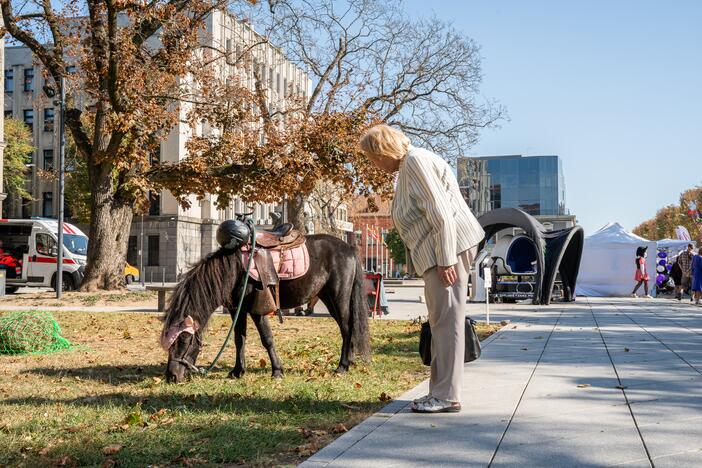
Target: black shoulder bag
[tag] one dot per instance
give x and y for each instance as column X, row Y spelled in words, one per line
column 472, row 342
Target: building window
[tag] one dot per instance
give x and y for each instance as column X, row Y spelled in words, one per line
column 28, row 117
column 285, row 87
column 47, row 205
column 26, row 208
column 153, row 246
column 132, row 251
column 496, row 196
column 48, row 160
column 154, row 204
column 9, row 80
column 49, row 119
column 29, row 79
column 277, row 83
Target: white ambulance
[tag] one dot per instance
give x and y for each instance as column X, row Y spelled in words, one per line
column 28, row 253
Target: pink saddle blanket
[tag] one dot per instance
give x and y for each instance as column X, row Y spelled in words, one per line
column 289, row 264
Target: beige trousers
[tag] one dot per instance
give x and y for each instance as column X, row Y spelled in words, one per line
column 447, row 312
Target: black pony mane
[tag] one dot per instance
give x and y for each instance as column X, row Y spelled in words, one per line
column 206, row 286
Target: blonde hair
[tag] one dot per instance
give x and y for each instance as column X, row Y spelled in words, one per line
column 383, row 141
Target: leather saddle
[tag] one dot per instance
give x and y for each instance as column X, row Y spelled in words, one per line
column 280, row 238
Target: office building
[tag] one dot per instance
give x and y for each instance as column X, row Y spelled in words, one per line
column 534, row 184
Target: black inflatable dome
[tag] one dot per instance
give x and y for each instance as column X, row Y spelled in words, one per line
column 556, row 252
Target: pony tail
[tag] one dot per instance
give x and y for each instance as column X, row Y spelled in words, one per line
column 360, row 335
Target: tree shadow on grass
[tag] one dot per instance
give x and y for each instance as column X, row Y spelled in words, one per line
column 111, row 374
column 219, row 428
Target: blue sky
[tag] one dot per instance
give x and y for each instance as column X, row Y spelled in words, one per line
column 613, row 87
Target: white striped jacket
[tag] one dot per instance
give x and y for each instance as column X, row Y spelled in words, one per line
column 429, row 212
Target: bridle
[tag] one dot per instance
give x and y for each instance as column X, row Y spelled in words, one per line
column 194, row 341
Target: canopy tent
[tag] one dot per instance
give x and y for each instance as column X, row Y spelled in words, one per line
column 551, row 252
column 608, row 264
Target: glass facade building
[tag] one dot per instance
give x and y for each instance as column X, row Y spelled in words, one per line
column 534, row 184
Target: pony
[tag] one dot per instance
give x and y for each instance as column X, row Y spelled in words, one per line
column 335, row 275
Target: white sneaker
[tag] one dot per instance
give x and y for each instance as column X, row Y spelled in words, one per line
column 434, row 405
column 648, row 296
column 634, row 296
column 421, row 399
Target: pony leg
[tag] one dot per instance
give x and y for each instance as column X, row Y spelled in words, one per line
column 264, row 330
column 240, row 342
column 339, row 315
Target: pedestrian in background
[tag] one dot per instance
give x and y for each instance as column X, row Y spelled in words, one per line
column 685, row 262
column 641, row 276
column 442, row 236
column 697, row 276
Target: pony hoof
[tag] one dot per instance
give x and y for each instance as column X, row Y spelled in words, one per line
column 277, row 374
column 236, row 373
column 341, row 369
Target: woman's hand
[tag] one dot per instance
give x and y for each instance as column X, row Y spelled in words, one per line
column 447, row 275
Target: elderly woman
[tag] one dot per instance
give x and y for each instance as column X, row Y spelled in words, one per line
column 442, row 236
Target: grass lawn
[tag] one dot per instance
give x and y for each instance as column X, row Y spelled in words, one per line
column 107, row 402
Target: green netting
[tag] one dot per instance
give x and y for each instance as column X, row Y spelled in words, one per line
column 34, row 332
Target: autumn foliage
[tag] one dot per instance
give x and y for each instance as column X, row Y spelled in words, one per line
column 668, row 218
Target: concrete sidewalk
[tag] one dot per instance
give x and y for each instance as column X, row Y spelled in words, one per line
column 595, row 383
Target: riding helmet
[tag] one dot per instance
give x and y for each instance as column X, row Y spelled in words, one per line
column 232, row 234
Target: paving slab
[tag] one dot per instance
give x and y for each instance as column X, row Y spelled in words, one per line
column 597, row 382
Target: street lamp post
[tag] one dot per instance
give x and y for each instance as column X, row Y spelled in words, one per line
column 50, row 93
column 62, row 170
column 142, row 276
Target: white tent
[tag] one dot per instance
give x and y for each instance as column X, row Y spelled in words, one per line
column 608, row 264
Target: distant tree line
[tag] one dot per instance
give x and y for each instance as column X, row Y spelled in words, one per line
column 668, row 218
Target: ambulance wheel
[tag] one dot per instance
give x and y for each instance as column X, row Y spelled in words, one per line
column 11, row 289
column 129, row 279
column 66, row 283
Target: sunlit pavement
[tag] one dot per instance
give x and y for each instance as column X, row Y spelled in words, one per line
column 595, row 383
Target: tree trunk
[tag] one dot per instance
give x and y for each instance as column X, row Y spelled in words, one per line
column 109, row 237
column 296, row 212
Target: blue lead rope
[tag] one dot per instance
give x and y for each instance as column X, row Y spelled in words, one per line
column 241, row 299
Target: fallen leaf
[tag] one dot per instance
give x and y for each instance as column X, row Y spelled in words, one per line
column 109, row 463
column 584, row 385
column 262, row 363
column 339, row 428
column 626, row 350
column 384, row 397
column 621, row 387
column 157, row 379
column 525, row 349
column 111, row 449
column 357, row 385
column 306, row 449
